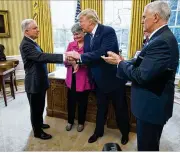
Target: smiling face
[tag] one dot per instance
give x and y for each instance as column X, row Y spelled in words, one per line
column 78, row 36
column 32, row 31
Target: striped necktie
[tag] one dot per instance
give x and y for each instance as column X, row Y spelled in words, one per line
column 91, row 39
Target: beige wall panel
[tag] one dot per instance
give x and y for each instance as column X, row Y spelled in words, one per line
column 18, row 10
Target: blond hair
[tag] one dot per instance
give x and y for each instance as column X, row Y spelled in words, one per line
column 90, row 14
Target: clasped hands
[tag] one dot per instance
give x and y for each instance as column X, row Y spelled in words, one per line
column 71, row 58
column 112, row 58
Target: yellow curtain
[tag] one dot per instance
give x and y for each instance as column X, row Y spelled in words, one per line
column 136, row 29
column 42, row 15
column 94, row 4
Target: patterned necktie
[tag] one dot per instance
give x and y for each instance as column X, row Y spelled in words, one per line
column 146, row 41
column 91, row 39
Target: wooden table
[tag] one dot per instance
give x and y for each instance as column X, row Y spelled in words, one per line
column 6, row 73
column 16, row 62
column 57, row 101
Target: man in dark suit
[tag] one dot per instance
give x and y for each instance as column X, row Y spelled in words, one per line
column 36, row 78
column 152, row 75
column 98, row 40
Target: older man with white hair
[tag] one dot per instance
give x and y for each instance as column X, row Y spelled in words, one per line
column 152, row 75
column 36, row 78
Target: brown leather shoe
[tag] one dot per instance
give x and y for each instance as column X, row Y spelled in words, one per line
column 68, row 127
column 80, row 128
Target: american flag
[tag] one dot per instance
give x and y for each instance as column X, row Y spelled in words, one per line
column 78, row 10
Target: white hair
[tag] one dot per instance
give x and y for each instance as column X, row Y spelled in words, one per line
column 160, row 7
column 90, row 14
column 25, row 24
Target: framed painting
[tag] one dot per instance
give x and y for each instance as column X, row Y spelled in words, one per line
column 4, row 25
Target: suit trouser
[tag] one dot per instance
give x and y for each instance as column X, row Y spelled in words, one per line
column 118, row 98
column 37, row 103
column 81, row 98
column 77, row 97
column 148, row 136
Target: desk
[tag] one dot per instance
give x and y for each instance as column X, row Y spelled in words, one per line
column 57, row 101
column 6, row 73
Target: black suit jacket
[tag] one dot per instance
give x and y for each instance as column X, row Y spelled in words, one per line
column 104, row 74
column 152, row 75
column 36, row 74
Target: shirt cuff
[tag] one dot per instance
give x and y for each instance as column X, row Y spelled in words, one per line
column 80, row 60
column 64, row 57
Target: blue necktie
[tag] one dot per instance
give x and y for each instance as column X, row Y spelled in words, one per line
column 44, row 64
column 91, row 39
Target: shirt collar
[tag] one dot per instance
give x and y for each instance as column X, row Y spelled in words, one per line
column 156, row 31
column 94, row 30
column 30, row 38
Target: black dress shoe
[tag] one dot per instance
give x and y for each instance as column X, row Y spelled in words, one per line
column 43, row 135
column 124, row 140
column 94, row 138
column 45, row 126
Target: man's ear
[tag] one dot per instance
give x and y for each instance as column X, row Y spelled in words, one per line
column 156, row 17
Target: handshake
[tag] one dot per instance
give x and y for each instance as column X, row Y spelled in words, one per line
column 72, row 56
column 112, row 58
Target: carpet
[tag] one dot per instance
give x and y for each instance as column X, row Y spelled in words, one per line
column 16, row 132
column 177, row 95
column 20, row 88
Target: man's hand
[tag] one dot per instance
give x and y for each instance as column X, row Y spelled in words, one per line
column 112, row 58
column 72, row 55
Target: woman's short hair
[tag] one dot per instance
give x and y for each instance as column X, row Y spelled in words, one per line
column 76, row 28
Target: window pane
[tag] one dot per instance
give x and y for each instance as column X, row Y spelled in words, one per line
column 117, row 14
column 177, row 34
column 62, row 22
column 172, row 18
column 178, row 19
column 173, row 4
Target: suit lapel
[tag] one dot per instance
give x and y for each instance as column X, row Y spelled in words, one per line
column 96, row 35
column 143, row 52
column 34, row 43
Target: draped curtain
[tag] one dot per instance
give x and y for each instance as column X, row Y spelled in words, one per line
column 94, row 4
column 42, row 15
column 136, row 29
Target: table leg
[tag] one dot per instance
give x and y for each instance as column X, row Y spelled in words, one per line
column 4, row 91
column 12, row 85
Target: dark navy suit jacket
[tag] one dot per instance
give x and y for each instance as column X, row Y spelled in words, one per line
column 36, row 74
column 152, row 75
column 104, row 74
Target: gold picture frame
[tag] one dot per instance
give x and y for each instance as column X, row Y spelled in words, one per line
column 4, row 25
